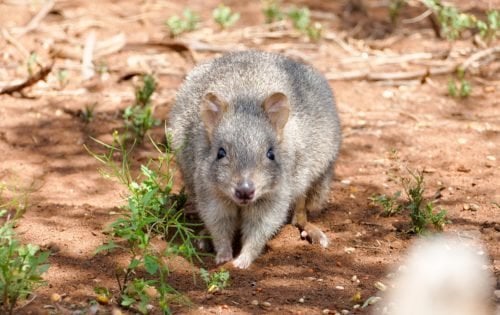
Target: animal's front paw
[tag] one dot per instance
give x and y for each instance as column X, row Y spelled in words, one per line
column 223, row 256
column 243, row 261
column 314, row 235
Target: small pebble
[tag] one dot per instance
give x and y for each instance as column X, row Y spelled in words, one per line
column 339, row 287
column 320, row 280
column 379, row 285
column 371, row 300
column 388, row 94
column 355, row 307
column 325, row 311
column 345, row 182
column 474, row 207
column 491, row 158
column 345, row 312
column 349, row 250
column 466, row 206
column 463, row 169
column 266, row 304
column 55, row 297
column 255, row 302
column 311, row 278
column 301, row 300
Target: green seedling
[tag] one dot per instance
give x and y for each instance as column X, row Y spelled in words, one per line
column 389, row 204
column 87, row 114
column 224, row 16
column 453, row 22
column 215, row 281
column 32, row 63
column 102, row 68
column 490, row 29
column 395, row 7
column 272, row 11
column 422, row 213
column 459, row 87
column 139, row 117
column 152, row 210
column 62, row 77
column 21, row 266
column 301, row 20
column 314, row 31
column 187, row 23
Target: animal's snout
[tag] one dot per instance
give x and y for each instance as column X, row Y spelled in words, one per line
column 245, row 191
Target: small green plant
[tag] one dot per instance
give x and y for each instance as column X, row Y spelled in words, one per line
column 272, row 11
column 187, row 23
column 21, row 266
column 87, row 114
column 139, row 117
column 62, row 77
column 224, row 16
column 215, row 281
column 422, row 213
column 489, row 29
column 300, row 17
column 389, row 204
column 32, row 63
column 453, row 22
column 153, row 210
column 301, row 20
column 459, row 87
column 395, row 7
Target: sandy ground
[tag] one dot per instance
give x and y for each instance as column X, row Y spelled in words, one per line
column 42, row 142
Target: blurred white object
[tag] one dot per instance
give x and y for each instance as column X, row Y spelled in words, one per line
column 443, row 277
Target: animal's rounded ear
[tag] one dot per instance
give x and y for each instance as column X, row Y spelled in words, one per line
column 277, row 109
column 212, row 109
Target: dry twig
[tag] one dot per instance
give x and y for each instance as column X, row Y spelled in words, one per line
column 15, row 43
column 40, row 75
column 367, row 74
column 35, row 21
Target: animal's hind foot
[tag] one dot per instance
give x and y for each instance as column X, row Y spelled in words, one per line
column 314, row 235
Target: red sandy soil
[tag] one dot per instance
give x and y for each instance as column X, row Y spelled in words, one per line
column 42, row 142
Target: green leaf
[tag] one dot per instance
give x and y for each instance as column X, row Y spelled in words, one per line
column 106, row 247
column 151, row 264
column 134, row 263
column 127, row 300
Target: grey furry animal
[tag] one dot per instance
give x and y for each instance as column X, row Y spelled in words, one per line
column 256, row 134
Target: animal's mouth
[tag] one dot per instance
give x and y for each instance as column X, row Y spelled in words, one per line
column 243, row 201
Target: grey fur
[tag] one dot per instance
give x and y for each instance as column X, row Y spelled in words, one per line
column 304, row 157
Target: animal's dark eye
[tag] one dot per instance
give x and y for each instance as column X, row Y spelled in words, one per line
column 221, row 153
column 270, row 154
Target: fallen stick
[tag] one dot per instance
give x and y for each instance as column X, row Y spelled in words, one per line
column 15, row 43
column 479, row 55
column 408, row 75
column 40, row 75
column 35, row 21
column 181, row 48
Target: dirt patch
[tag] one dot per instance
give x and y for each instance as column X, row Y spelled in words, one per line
column 42, row 138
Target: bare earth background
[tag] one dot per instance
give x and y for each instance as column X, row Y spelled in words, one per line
column 42, row 138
